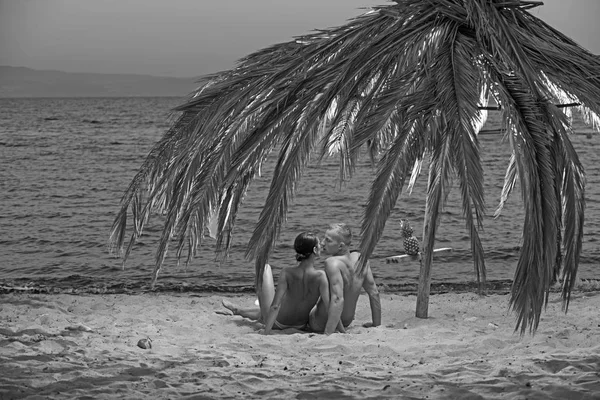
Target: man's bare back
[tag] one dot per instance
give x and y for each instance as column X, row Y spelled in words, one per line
column 345, row 285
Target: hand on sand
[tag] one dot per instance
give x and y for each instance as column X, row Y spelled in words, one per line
column 369, row 325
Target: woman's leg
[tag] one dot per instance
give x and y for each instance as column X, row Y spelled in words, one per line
column 265, row 292
column 252, row 313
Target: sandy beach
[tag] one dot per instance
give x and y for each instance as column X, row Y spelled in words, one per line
column 58, row 346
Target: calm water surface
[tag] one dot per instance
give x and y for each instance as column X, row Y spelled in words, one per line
column 65, row 163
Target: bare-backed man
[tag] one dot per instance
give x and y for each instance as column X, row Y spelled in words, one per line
column 345, row 284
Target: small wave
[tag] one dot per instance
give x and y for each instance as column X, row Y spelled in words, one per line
column 68, row 196
column 15, row 144
column 77, row 284
column 89, row 285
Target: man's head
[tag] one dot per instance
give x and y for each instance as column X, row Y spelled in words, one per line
column 337, row 240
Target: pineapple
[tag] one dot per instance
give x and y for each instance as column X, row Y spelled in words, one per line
column 410, row 242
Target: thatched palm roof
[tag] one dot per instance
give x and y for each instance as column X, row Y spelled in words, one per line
column 406, row 81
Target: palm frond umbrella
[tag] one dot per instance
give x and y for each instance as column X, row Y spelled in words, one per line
column 408, row 82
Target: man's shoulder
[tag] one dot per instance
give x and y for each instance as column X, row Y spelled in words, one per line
column 354, row 256
column 350, row 258
column 341, row 263
column 334, row 260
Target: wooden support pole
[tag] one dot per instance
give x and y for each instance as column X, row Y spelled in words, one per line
column 426, row 259
column 403, row 258
column 424, row 281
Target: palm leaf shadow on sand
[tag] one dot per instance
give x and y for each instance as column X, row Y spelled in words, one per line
column 407, row 84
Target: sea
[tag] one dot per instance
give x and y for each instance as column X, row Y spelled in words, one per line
column 66, row 162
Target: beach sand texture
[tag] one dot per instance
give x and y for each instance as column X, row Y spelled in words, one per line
column 56, row 346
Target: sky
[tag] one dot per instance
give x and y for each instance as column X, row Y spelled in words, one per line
column 189, row 38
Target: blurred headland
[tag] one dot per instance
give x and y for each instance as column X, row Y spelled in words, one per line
column 26, row 82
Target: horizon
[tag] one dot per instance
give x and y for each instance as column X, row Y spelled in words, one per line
column 182, row 39
column 99, row 73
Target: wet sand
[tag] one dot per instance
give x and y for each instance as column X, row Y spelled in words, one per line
column 59, row 346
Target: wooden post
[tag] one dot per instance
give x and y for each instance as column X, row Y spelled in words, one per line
column 424, row 281
column 403, row 258
column 425, row 260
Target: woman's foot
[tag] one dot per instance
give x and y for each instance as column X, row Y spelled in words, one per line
column 230, row 306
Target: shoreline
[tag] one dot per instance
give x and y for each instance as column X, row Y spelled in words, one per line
column 64, row 346
column 61, row 286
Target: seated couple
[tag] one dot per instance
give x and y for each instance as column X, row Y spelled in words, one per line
column 311, row 299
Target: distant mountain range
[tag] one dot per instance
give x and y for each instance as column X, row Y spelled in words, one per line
column 26, row 82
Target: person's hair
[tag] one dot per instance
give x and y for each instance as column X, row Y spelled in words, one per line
column 305, row 244
column 343, row 231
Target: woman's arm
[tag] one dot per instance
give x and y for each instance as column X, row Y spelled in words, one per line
column 276, row 304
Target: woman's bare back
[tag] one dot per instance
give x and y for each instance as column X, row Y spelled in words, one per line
column 301, row 296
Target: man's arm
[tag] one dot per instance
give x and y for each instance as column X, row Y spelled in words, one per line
column 276, row 304
column 371, row 288
column 336, row 292
column 325, row 298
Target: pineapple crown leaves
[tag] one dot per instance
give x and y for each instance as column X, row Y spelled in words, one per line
column 405, row 227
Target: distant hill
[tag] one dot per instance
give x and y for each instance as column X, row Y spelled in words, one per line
column 26, row 82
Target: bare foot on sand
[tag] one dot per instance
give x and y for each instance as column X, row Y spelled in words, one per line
column 231, row 308
column 229, row 305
